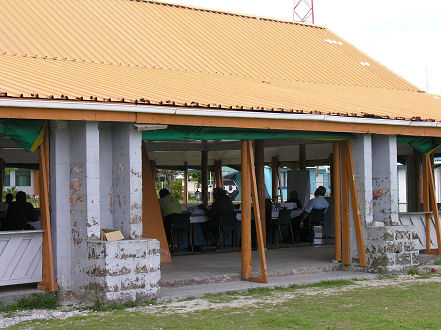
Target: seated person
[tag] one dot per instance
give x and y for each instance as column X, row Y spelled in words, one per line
column 300, row 224
column 293, row 199
column 222, row 203
column 4, row 209
column 168, row 205
column 20, row 213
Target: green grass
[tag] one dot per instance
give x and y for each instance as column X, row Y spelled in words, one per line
column 410, row 305
column 36, row 301
column 437, row 262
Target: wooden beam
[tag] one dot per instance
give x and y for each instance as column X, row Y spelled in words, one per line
column 257, row 218
column 434, row 205
column 336, row 192
column 355, row 205
column 152, row 224
column 345, row 199
column 204, row 177
column 426, row 203
column 302, row 156
column 274, row 178
column 185, row 183
column 173, row 119
column 48, row 276
column 259, row 155
column 246, row 212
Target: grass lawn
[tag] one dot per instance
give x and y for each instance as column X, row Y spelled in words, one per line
column 380, row 304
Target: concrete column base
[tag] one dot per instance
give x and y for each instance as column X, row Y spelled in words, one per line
column 391, row 249
column 123, row 271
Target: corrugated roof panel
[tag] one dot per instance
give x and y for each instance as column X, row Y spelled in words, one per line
column 133, row 50
column 60, row 78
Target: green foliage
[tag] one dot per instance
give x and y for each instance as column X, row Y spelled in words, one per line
column 177, row 188
column 412, row 272
column 12, row 190
column 36, row 301
column 437, row 262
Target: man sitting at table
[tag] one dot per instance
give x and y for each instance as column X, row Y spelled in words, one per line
column 20, row 213
column 300, row 224
column 222, row 203
column 293, row 199
column 168, row 205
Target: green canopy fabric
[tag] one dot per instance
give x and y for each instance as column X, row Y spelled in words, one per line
column 423, row 144
column 27, row 133
column 176, row 132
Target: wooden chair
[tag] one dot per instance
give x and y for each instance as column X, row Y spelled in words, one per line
column 180, row 223
column 228, row 222
column 316, row 218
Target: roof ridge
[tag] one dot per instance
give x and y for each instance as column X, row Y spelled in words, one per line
column 267, row 80
column 216, row 11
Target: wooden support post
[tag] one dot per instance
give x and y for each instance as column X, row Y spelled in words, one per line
column 152, row 224
column 185, row 183
column 274, row 178
column 355, row 206
column 432, row 191
column 48, row 275
column 302, row 156
column 259, row 154
column 426, row 203
column 336, row 192
column 257, row 219
column 204, row 176
column 246, row 212
column 345, row 199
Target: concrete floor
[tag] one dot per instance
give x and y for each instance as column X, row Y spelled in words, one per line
column 199, row 269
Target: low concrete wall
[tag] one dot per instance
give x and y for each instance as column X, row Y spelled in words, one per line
column 391, row 248
column 124, row 270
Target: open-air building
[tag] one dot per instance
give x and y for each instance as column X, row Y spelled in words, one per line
column 104, row 90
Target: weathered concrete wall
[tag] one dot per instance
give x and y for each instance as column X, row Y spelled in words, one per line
column 60, row 206
column 97, row 183
column 391, row 248
column 385, row 179
column 124, row 270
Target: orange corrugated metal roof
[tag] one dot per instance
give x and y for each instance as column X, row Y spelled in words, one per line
column 159, row 53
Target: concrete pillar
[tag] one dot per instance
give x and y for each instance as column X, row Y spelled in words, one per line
column 385, row 179
column 127, row 180
column 106, row 177
column 362, row 158
column 59, row 202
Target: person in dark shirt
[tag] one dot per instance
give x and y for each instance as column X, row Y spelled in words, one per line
column 222, row 203
column 20, row 213
column 293, row 199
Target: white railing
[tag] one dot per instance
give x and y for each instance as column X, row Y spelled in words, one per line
column 20, row 256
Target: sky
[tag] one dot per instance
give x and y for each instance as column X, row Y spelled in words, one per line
column 403, row 35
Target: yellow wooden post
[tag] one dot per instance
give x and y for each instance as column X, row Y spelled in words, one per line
column 48, row 275
column 256, row 206
column 433, row 202
column 152, row 224
column 260, row 178
column 345, row 199
column 426, row 203
column 246, row 212
column 336, row 191
column 355, row 206
column 204, row 177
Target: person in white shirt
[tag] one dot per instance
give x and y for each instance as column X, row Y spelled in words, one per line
column 300, row 223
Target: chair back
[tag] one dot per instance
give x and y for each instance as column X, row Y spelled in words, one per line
column 284, row 216
column 180, row 221
column 227, row 219
column 316, row 217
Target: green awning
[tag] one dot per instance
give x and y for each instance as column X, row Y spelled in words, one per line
column 27, row 133
column 423, row 144
column 176, row 132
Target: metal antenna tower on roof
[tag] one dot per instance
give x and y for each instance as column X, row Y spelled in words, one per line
column 303, row 11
